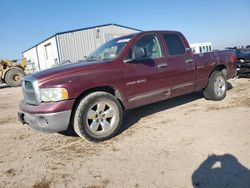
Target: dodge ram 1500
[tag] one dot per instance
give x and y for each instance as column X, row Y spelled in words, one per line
column 124, row 73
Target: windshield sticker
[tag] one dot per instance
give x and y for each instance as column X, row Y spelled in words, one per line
column 123, row 40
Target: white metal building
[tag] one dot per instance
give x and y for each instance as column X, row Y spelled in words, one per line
column 201, row 47
column 72, row 45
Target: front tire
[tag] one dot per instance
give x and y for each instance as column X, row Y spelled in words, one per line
column 217, row 87
column 98, row 116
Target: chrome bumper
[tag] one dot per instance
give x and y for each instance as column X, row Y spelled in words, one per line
column 52, row 122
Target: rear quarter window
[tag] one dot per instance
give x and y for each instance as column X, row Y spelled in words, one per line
column 174, row 44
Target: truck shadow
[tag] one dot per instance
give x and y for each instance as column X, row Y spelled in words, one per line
column 133, row 116
column 229, row 86
column 221, row 171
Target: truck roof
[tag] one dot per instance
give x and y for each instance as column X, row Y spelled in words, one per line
column 159, row 31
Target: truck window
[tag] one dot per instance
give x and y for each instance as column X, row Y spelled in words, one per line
column 111, row 49
column 174, row 44
column 151, row 44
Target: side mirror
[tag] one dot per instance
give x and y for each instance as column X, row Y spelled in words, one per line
column 188, row 49
column 137, row 53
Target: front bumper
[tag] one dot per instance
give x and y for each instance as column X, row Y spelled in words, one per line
column 51, row 122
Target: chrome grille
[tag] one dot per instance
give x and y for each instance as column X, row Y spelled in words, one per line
column 28, row 85
column 31, row 90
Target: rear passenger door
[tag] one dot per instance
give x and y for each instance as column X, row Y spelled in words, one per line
column 180, row 62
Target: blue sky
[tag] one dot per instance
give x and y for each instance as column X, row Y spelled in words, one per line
column 23, row 23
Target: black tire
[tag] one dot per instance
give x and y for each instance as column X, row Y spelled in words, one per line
column 210, row 92
column 89, row 113
column 13, row 77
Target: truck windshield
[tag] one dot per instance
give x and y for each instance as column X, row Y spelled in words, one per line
column 111, row 49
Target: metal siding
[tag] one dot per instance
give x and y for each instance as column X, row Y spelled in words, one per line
column 32, row 58
column 75, row 45
column 41, row 52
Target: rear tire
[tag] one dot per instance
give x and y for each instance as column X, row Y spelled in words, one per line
column 98, row 116
column 217, row 87
column 13, row 77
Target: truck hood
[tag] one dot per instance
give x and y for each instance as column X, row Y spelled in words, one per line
column 72, row 68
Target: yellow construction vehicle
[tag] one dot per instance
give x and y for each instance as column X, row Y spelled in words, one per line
column 12, row 72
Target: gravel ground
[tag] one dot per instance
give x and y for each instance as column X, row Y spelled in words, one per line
column 183, row 142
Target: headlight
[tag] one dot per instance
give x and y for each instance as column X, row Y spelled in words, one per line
column 53, row 94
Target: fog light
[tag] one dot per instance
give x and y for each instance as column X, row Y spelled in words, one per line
column 42, row 121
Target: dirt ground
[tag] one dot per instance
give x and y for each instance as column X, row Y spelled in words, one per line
column 183, row 142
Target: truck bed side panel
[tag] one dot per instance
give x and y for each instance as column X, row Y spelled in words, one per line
column 224, row 57
column 205, row 64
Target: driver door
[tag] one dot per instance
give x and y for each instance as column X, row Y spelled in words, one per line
column 145, row 77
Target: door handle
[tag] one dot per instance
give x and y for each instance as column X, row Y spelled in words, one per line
column 189, row 61
column 163, row 65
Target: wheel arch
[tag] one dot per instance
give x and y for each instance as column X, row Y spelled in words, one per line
column 222, row 68
column 109, row 89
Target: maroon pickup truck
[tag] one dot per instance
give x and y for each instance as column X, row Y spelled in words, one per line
column 124, row 73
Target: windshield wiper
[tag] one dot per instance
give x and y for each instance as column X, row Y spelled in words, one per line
column 93, row 58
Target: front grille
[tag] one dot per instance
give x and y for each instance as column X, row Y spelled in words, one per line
column 30, row 90
column 28, row 85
